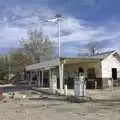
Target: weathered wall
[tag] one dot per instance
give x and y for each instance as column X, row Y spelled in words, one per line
column 107, row 65
column 70, row 69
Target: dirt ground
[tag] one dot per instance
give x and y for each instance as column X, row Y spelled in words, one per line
column 104, row 105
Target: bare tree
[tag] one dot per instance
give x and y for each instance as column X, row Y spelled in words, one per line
column 38, row 46
column 94, row 47
column 35, row 48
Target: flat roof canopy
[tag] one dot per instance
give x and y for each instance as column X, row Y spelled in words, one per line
column 46, row 65
column 43, row 65
column 68, row 60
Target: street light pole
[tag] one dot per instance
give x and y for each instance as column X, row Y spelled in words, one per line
column 59, row 16
column 57, row 20
column 59, row 38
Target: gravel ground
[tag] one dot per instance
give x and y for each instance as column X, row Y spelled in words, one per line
column 105, row 105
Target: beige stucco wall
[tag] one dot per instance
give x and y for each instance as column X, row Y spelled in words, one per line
column 107, row 65
column 71, row 69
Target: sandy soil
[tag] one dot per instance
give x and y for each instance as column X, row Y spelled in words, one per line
column 105, row 105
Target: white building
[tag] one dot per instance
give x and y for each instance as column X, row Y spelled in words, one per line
column 101, row 71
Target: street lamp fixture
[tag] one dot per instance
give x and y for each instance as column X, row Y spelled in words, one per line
column 57, row 20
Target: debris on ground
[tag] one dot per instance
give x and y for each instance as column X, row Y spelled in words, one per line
column 49, row 107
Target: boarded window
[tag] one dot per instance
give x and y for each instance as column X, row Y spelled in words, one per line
column 91, row 73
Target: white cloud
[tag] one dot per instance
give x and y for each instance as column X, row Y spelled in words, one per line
column 10, row 36
column 72, row 29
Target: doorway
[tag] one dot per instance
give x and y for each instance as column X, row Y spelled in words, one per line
column 114, row 73
column 80, row 70
column 46, row 79
column 91, row 77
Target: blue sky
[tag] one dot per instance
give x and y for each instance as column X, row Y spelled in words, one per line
column 84, row 21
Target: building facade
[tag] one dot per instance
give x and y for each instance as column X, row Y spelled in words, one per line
column 101, row 71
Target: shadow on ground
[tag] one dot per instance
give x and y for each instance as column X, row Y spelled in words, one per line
column 46, row 98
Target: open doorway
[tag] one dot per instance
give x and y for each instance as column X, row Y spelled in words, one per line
column 46, row 79
column 114, row 76
column 81, row 70
column 91, row 76
column 114, row 73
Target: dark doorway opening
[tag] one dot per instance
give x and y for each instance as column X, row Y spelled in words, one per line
column 91, row 73
column 81, row 70
column 58, row 83
column 114, row 73
column 91, row 77
column 70, row 83
column 46, row 79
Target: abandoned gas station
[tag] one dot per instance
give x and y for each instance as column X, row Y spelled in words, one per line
column 101, row 71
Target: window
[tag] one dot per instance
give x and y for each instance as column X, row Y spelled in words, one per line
column 91, row 73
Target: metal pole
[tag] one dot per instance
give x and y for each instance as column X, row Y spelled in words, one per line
column 59, row 40
column 57, row 19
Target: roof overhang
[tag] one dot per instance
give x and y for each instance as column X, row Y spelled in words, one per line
column 46, row 65
column 79, row 60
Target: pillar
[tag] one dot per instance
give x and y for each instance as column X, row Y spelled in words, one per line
column 27, row 76
column 53, row 80
column 24, row 75
column 42, row 79
column 50, row 77
column 65, row 90
column 61, row 69
column 95, row 84
column 38, row 78
column 30, row 78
